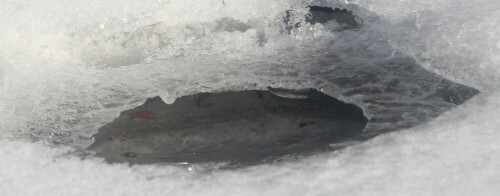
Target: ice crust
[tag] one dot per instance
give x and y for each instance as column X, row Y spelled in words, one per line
column 68, row 67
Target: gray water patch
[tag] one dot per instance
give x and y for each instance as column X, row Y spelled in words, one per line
column 324, row 15
column 242, row 127
column 334, row 19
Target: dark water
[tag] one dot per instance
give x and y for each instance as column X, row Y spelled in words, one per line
column 237, row 127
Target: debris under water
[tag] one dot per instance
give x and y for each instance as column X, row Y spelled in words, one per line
column 248, row 126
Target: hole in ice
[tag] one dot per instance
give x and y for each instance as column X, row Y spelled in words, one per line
column 326, row 15
column 334, row 19
column 240, row 127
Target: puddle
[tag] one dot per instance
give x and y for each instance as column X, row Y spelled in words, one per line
column 239, row 127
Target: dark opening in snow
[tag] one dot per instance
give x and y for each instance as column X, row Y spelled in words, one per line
column 237, row 127
column 335, row 19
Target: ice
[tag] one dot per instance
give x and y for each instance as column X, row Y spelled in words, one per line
column 452, row 38
column 69, row 67
column 444, row 157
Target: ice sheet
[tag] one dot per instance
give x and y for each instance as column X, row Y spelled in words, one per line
column 446, row 157
column 71, row 66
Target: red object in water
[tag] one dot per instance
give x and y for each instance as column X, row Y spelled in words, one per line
column 138, row 115
column 125, row 113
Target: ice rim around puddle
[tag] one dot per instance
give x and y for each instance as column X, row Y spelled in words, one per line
column 241, row 128
column 347, row 61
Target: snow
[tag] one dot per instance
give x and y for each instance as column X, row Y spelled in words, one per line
column 445, row 157
column 61, row 73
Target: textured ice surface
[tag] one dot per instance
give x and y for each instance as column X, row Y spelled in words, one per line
column 69, row 67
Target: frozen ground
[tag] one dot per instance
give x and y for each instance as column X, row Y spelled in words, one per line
column 68, row 67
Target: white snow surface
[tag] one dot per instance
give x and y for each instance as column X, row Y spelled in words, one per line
column 68, row 67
